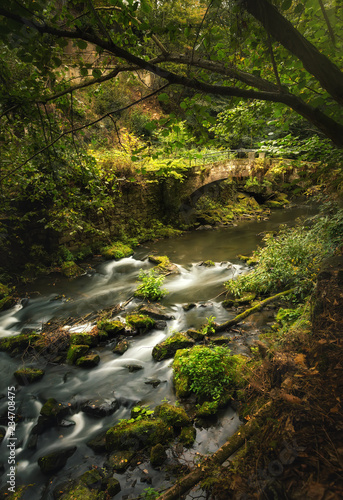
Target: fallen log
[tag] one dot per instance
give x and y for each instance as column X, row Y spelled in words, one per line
column 204, row 467
column 228, row 324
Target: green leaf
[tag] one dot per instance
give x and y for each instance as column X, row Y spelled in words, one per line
column 81, row 44
column 163, row 97
column 96, row 73
column 286, row 4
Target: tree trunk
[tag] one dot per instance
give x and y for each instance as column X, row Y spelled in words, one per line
column 316, row 63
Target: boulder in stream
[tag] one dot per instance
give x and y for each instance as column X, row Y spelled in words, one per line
column 85, row 338
column 168, row 347
column 163, row 264
column 140, row 323
column 111, row 327
column 173, row 415
column 88, row 361
column 27, row 376
column 119, row 460
column 157, row 455
column 17, row 344
column 134, row 436
column 156, row 311
column 76, row 351
column 55, row 461
column 100, row 408
column 121, row 347
column 187, row 436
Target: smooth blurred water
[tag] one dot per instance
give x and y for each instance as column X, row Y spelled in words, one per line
column 107, row 285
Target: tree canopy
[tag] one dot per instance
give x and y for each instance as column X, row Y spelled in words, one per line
column 281, row 51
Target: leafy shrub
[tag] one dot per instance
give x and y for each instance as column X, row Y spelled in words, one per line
column 291, row 259
column 151, row 285
column 210, row 372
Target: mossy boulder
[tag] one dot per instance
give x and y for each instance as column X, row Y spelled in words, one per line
column 196, row 334
column 88, row 361
column 173, row 415
column 187, row 436
column 54, row 410
column 207, row 409
column 113, row 487
column 98, row 443
column 121, row 347
column 157, row 455
column 100, row 408
column 71, row 270
column 75, row 352
column 136, row 435
column 119, row 460
column 53, row 462
column 19, row 343
column 27, row 376
column 85, row 338
column 6, row 298
column 117, row 250
column 208, row 263
column 163, row 264
column 88, row 486
column 112, row 328
column 168, row 347
column 140, row 322
column 156, row 311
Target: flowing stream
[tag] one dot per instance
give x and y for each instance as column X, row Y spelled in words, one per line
column 108, row 284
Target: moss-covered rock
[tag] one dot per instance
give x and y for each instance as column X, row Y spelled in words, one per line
column 196, row 334
column 85, row 338
column 17, row 344
column 138, row 434
column 88, row 361
column 53, row 409
column 173, row 415
column 168, row 347
column 156, row 311
column 117, row 250
column 100, row 408
column 88, row 486
column 119, row 460
column 140, row 322
column 163, row 264
column 187, row 436
column 75, row 352
column 121, row 347
column 207, row 409
column 6, row 297
column 157, row 455
column 113, row 487
column 98, row 443
column 27, row 376
column 71, row 270
column 112, row 328
column 53, row 462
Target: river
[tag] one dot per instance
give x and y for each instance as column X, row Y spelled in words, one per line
column 104, row 285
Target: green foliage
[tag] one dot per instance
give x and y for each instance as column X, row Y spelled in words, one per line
column 149, row 494
column 151, row 285
column 209, row 371
column 292, row 258
column 210, row 327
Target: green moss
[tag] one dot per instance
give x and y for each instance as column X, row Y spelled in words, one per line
column 84, row 338
column 19, row 343
column 168, row 347
column 53, row 462
column 91, row 477
column 116, row 250
column 121, row 347
column 137, row 434
column 187, row 436
column 207, row 409
column 164, row 265
column 173, row 415
column 53, row 409
column 28, row 375
column 208, row 263
column 157, row 455
column 89, row 361
column 76, row 351
column 120, row 460
column 71, row 270
column 4, row 290
column 112, row 328
column 140, row 322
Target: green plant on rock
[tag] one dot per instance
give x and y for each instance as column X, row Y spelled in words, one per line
column 151, row 285
column 210, row 327
column 209, row 372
